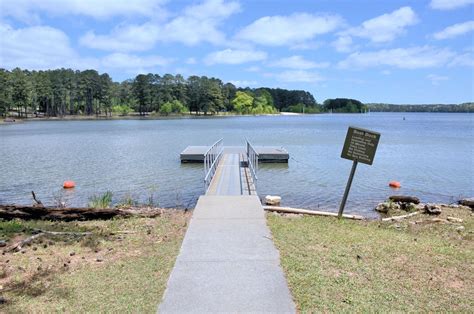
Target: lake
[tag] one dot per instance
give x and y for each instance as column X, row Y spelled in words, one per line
column 431, row 154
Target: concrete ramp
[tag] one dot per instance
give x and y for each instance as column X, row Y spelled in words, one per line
column 227, row 262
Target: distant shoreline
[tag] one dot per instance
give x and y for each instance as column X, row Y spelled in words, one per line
column 14, row 120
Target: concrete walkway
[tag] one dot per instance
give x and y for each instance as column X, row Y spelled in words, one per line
column 227, row 262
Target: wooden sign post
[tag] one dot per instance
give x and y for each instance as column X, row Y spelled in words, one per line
column 360, row 146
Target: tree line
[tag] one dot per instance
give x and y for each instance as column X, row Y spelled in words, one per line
column 62, row 92
column 464, row 107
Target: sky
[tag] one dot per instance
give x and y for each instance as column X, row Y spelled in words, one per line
column 405, row 52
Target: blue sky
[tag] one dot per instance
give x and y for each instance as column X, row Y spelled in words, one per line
column 375, row 51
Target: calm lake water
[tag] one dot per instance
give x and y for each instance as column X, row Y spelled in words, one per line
column 430, row 154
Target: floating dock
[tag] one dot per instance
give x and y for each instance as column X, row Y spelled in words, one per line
column 267, row 154
column 227, row 261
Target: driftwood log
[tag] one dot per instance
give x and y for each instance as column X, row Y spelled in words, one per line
column 404, row 199
column 396, row 218
column 9, row 212
column 308, row 212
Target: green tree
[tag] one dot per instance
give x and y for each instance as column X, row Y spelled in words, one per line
column 142, row 91
column 5, row 92
column 21, row 91
column 243, row 102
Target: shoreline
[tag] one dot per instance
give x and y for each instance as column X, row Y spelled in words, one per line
column 135, row 117
column 15, row 120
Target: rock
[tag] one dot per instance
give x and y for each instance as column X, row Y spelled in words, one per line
column 420, row 207
column 3, row 243
column 272, row 200
column 99, row 259
column 72, row 253
column 409, row 207
column 460, row 229
column 433, row 209
column 453, row 206
column 454, row 219
column 386, row 206
column 3, row 300
column 404, row 199
column 382, row 208
column 467, row 202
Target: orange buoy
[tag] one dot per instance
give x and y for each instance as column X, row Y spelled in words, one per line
column 69, row 184
column 394, row 184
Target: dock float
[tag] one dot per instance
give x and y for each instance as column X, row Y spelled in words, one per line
column 267, row 154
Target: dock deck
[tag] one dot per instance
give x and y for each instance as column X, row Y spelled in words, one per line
column 273, row 154
column 227, row 179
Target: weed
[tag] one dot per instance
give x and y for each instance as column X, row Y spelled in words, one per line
column 101, row 201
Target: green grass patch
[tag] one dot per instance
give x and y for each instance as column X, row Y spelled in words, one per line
column 101, row 201
column 412, row 266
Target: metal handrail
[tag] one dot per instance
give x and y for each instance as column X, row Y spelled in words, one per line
column 211, row 160
column 252, row 157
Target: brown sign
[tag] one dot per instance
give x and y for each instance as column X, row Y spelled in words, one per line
column 360, row 145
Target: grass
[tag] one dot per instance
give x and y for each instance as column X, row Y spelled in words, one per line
column 351, row 266
column 101, row 201
column 122, row 267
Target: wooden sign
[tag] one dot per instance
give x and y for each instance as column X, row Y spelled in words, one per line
column 360, row 145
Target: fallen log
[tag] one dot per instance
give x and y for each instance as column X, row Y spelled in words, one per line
column 467, row 202
column 17, row 247
column 308, row 212
column 9, row 212
column 404, row 199
column 396, row 218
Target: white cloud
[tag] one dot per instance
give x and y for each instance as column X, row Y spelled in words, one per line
column 253, row 69
column 436, row 79
column 123, row 38
column 212, row 9
column 406, row 58
column 243, row 83
column 455, row 30
column 127, row 61
column 198, row 23
column 449, row 4
column 308, row 45
column 386, row 27
column 298, row 76
column 29, row 10
column 465, row 59
column 298, row 63
column 38, row 47
column 230, row 56
column 191, row 60
column 343, row 43
column 43, row 48
column 287, row 30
